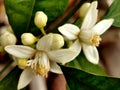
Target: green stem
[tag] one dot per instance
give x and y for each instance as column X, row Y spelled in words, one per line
column 43, row 31
column 9, row 63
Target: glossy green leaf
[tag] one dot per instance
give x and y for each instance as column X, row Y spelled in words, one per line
column 83, row 64
column 21, row 13
column 80, row 80
column 114, row 12
column 11, row 80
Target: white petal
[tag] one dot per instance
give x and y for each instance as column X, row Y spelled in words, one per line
column 55, row 68
column 76, row 46
column 20, row 51
column 25, row 78
column 43, row 60
column 91, row 17
column 38, row 83
column 45, row 42
column 102, row 26
column 62, row 56
column 91, row 53
column 70, row 31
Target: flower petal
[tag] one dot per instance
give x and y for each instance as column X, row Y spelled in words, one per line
column 38, row 83
column 70, row 31
column 43, row 60
column 76, row 46
column 25, row 78
column 91, row 53
column 102, row 26
column 91, row 17
column 45, row 42
column 62, row 56
column 55, row 68
column 20, row 51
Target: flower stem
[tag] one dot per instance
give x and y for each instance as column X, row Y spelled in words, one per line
column 43, row 31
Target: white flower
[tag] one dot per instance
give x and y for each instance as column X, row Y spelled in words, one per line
column 43, row 59
column 88, row 36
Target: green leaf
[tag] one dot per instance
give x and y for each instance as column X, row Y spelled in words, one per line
column 11, row 80
column 21, row 13
column 83, row 64
column 114, row 12
column 67, row 87
column 80, row 80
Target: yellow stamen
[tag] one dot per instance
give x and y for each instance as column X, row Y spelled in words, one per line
column 40, row 64
column 95, row 39
column 42, row 70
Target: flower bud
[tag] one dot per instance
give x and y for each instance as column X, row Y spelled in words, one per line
column 57, row 42
column 40, row 19
column 28, row 39
column 7, row 38
column 83, row 9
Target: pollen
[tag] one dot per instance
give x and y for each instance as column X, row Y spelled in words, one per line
column 38, row 68
column 95, row 39
column 42, row 70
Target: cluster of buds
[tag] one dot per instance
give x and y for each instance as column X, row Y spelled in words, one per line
column 40, row 21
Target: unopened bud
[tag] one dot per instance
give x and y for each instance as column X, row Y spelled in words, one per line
column 40, row 19
column 28, row 39
column 83, row 9
column 58, row 41
column 7, row 38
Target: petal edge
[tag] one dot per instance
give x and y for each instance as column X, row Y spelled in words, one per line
column 70, row 31
column 91, row 53
column 20, row 51
column 25, row 78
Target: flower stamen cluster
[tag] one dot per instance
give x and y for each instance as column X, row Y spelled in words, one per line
column 95, row 39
